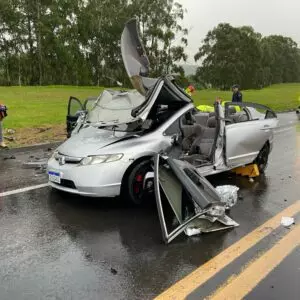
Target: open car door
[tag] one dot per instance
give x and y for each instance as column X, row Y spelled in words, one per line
column 75, row 107
column 185, row 200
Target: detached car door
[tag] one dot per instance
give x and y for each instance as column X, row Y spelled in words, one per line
column 182, row 196
column 247, row 130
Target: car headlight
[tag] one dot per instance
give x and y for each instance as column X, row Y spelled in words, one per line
column 99, row 159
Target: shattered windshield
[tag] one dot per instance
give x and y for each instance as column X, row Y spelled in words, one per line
column 114, row 107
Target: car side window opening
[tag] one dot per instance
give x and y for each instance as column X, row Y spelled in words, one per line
column 174, row 128
column 237, row 114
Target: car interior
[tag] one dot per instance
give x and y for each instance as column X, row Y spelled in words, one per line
column 199, row 131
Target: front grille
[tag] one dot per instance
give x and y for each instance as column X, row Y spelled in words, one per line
column 67, row 183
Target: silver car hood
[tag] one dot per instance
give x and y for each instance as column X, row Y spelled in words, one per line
column 134, row 57
column 90, row 140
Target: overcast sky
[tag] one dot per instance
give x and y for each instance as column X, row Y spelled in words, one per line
column 265, row 16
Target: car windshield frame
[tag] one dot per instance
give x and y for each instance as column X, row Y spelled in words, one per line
column 107, row 113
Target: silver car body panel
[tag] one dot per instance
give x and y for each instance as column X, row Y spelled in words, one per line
column 134, row 56
column 245, row 140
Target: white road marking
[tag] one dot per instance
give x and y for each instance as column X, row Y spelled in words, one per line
column 22, row 190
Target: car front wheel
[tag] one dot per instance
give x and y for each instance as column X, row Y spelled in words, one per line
column 140, row 185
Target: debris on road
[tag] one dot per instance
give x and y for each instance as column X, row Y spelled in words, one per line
column 287, row 221
column 113, row 271
column 192, row 231
column 228, row 195
column 195, row 203
column 10, row 138
column 10, row 131
column 9, row 157
column 207, row 224
column 35, row 164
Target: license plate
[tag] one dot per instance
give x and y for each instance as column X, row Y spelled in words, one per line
column 54, row 177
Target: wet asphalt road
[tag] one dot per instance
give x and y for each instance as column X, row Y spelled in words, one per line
column 55, row 246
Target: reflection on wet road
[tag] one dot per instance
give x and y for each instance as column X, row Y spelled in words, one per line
column 58, row 246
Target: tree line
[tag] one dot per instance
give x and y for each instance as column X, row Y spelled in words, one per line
column 241, row 55
column 77, row 42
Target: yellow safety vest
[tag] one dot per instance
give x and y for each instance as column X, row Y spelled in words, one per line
column 188, row 91
column 206, row 108
column 209, row 108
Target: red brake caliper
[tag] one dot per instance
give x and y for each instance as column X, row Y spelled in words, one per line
column 139, row 180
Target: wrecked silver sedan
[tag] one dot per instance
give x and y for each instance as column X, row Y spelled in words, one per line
column 110, row 148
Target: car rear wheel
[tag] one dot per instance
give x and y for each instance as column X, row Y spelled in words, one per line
column 263, row 158
column 140, row 185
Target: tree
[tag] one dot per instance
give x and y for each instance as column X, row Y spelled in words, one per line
column 78, row 41
column 164, row 37
column 230, row 55
column 283, row 58
column 240, row 55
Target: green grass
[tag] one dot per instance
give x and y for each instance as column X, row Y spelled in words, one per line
column 39, row 106
column 42, row 106
column 279, row 97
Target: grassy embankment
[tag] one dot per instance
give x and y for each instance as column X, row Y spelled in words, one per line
column 38, row 113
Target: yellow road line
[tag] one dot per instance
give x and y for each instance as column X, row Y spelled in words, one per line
column 185, row 286
column 246, row 281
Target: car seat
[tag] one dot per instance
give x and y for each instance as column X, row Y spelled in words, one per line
column 201, row 118
column 198, row 141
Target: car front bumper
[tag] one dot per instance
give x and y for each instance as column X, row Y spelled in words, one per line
column 101, row 180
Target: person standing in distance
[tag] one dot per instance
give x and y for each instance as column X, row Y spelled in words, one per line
column 237, row 96
column 3, row 114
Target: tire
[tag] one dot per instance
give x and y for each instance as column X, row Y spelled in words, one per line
column 135, row 191
column 263, row 158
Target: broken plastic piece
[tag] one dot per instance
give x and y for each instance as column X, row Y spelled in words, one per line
column 35, row 164
column 250, row 171
column 192, row 231
column 287, row 221
column 206, row 224
column 228, row 195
